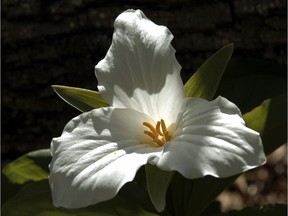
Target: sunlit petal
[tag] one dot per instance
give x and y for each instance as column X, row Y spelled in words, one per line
column 140, row 70
column 96, row 155
column 212, row 140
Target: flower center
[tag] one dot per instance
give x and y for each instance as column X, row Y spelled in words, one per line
column 159, row 133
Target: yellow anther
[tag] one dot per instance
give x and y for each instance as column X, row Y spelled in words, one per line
column 153, row 130
column 150, row 134
column 163, row 126
column 159, row 133
column 158, row 128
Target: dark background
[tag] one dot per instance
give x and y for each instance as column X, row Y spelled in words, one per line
column 60, row 42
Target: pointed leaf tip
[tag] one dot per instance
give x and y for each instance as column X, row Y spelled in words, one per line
column 204, row 82
column 270, row 120
column 82, row 99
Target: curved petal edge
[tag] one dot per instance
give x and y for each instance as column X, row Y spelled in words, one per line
column 212, row 139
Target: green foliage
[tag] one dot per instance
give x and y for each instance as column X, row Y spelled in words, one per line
column 191, row 197
column 35, row 199
column 157, row 185
column 22, row 187
column 205, row 81
column 29, row 167
column 82, row 99
column 270, row 120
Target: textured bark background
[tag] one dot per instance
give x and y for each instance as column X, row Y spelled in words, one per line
column 60, row 42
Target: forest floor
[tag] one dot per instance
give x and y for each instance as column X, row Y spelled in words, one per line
column 266, row 184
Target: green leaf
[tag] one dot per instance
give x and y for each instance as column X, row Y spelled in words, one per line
column 82, row 99
column 29, row 167
column 266, row 210
column 204, row 82
column 270, row 120
column 8, row 189
column 35, row 199
column 191, row 197
column 157, row 185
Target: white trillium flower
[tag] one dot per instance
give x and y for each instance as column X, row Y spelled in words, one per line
column 149, row 121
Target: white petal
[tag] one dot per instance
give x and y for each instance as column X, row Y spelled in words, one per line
column 98, row 152
column 140, row 70
column 212, row 140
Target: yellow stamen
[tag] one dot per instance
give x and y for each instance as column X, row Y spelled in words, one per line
column 158, row 128
column 153, row 130
column 163, row 126
column 164, row 130
column 159, row 133
column 150, row 134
